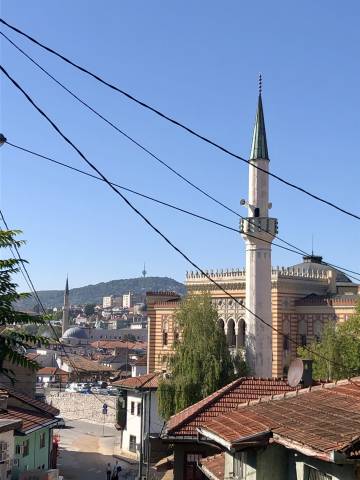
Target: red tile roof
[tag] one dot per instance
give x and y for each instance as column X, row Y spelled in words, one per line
column 51, row 371
column 30, row 419
column 138, row 345
column 321, row 419
column 83, row 364
column 215, row 466
column 142, row 382
column 41, row 406
column 227, row 398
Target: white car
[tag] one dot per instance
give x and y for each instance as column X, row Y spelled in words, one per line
column 60, row 422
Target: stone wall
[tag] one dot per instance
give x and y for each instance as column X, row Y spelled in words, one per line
column 78, row 406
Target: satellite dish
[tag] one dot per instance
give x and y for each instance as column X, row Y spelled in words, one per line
column 295, row 372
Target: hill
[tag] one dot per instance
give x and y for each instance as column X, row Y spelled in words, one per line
column 94, row 293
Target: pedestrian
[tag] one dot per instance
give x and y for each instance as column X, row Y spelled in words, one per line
column 108, row 471
column 115, row 472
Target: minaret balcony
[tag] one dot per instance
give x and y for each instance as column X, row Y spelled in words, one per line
column 258, row 225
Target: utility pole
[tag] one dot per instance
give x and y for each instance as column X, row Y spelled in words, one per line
column 141, row 459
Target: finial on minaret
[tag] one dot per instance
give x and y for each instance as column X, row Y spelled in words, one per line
column 260, row 84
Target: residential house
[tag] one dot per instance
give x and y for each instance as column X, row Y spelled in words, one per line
column 138, row 365
column 181, row 428
column 81, row 368
column 309, row 434
column 33, row 439
column 138, row 416
column 52, row 376
column 7, row 445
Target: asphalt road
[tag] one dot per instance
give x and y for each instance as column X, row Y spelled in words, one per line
column 85, row 452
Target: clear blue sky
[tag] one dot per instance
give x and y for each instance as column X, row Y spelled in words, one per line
column 199, row 62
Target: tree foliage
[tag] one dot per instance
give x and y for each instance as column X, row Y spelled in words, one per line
column 89, row 309
column 14, row 340
column 340, row 344
column 201, row 363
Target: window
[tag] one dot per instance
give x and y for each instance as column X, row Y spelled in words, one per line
column 313, row 474
column 191, row 470
column 239, row 465
column 42, row 440
column 165, row 338
column 303, row 340
column 165, row 329
column 26, row 445
column 132, row 408
column 132, row 443
column 286, row 343
column 138, row 409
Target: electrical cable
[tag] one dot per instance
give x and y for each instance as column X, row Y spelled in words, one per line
column 219, row 224
column 178, row 123
column 34, row 291
column 138, row 144
column 154, row 228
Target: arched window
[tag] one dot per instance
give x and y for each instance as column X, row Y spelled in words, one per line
column 221, row 324
column 286, row 332
column 165, row 328
column 176, row 332
column 231, row 337
column 318, row 329
column 302, row 329
column 241, row 333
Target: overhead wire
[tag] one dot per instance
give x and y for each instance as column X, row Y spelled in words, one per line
column 159, row 232
column 178, row 123
column 30, row 283
column 138, row 144
column 182, row 210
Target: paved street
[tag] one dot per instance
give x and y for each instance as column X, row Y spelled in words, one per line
column 84, row 452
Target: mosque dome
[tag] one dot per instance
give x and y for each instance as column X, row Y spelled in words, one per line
column 314, row 263
column 76, row 332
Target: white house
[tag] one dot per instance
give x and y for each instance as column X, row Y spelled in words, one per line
column 139, row 418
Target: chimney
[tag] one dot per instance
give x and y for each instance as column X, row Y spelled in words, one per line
column 307, row 379
column 3, row 401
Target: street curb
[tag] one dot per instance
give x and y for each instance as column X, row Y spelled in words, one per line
column 125, row 459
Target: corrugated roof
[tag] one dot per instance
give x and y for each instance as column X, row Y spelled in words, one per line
column 30, row 419
column 51, row 371
column 41, row 406
column 324, row 418
column 142, row 382
column 227, row 398
column 214, row 466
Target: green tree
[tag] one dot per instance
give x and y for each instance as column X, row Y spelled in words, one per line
column 89, row 309
column 337, row 355
column 14, row 340
column 201, row 363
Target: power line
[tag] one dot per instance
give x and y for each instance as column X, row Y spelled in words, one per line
column 178, row 123
column 182, row 210
column 148, row 197
column 138, row 144
column 153, row 227
column 30, row 283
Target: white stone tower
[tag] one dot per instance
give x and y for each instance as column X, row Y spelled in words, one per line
column 66, row 308
column 258, row 231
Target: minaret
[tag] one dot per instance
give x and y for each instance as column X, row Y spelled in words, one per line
column 258, row 252
column 65, row 318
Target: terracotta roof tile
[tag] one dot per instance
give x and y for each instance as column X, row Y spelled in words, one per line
column 324, row 418
column 51, row 371
column 214, row 465
column 41, row 406
column 142, row 382
column 227, row 398
column 83, row 364
column 29, row 418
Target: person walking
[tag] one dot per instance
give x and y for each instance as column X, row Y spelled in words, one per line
column 116, row 471
column 108, row 471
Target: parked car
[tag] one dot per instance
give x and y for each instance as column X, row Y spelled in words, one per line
column 99, row 391
column 72, row 388
column 112, row 390
column 60, row 422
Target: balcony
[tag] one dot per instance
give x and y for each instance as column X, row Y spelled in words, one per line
column 259, row 226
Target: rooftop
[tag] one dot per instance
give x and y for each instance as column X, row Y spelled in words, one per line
column 213, row 466
column 51, row 371
column 227, row 398
column 138, row 345
column 83, row 364
column 149, row 381
column 318, row 420
column 36, row 404
column 28, row 420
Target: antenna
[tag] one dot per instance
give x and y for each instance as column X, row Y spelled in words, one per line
column 312, row 245
column 144, row 272
column 295, row 372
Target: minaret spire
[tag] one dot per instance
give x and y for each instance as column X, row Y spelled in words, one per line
column 259, row 149
column 258, row 231
column 66, row 307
